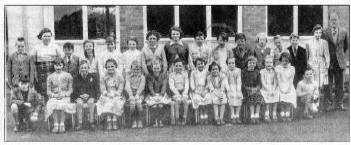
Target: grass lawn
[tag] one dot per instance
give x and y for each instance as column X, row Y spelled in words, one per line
column 332, row 126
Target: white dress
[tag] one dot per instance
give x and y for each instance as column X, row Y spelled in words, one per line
column 217, row 87
column 286, row 89
column 319, row 60
column 198, row 87
column 235, row 95
column 269, row 86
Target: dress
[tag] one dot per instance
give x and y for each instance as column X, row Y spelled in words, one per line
column 319, row 60
column 304, row 87
column 251, row 82
column 198, row 87
column 285, row 80
column 59, row 83
column 179, row 82
column 269, row 86
column 234, row 93
column 148, row 55
column 111, row 100
column 157, row 86
column 135, row 85
column 216, row 89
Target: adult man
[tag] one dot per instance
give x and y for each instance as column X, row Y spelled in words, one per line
column 338, row 41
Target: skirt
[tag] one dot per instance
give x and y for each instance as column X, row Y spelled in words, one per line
column 289, row 97
column 218, row 98
column 158, row 99
column 235, row 98
column 110, row 105
column 254, row 98
column 44, row 69
column 270, row 97
column 198, row 100
column 63, row 104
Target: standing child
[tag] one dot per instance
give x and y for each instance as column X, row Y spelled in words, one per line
column 222, row 50
column 308, row 90
column 277, row 50
column 111, row 102
column 89, row 54
column 19, row 64
column 71, row 61
column 298, row 57
column 286, row 90
column 252, row 85
column 217, row 85
column 268, row 90
column 135, row 84
column 179, row 86
column 26, row 104
column 234, row 93
column 157, row 84
column 198, row 88
column 59, row 90
column 131, row 54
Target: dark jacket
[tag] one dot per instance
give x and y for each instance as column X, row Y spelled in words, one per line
column 337, row 49
column 71, row 66
column 89, row 85
column 176, row 50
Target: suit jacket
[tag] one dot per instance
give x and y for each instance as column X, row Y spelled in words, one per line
column 339, row 48
column 89, row 85
column 19, row 67
column 299, row 61
column 71, row 67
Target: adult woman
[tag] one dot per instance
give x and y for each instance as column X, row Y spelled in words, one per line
column 43, row 57
column 151, row 51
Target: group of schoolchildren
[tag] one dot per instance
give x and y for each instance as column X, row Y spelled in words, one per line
column 174, row 74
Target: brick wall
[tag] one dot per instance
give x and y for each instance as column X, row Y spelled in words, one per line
column 254, row 21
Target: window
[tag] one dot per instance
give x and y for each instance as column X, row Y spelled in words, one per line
column 192, row 19
column 160, row 18
column 68, row 22
column 101, row 21
column 224, row 18
column 309, row 16
column 280, row 20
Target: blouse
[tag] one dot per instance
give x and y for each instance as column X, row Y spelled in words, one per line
column 59, row 83
column 114, row 83
column 135, row 84
column 179, row 82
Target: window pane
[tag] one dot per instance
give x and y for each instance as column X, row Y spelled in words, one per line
column 224, row 18
column 309, row 16
column 192, row 19
column 160, row 18
column 280, row 20
column 101, row 21
column 68, row 22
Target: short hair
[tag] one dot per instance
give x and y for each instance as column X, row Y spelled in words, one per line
column 24, row 79
column 285, row 55
column 153, row 33
column 135, row 62
column 85, row 52
column 223, row 35
column 334, row 13
column 111, row 60
column 176, row 28
column 213, row 64
column 276, row 37
column 68, row 45
column 199, row 34
column 199, row 60
column 110, row 39
column 83, row 61
column 259, row 35
column 44, row 30
column 251, row 58
column 239, row 36
column 268, row 57
column 178, row 60
column 58, row 61
column 20, row 39
column 317, row 27
column 294, row 35
column 226, row 61
column 133, row 38
column 156, row 60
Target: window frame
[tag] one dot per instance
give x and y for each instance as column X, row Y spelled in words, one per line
column 208, row 22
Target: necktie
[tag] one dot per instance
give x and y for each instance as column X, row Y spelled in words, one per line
column 69, row 60
column 295, row 51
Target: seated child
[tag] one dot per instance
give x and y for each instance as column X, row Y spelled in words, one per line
column 179, row 85
column 269, row 89
column 26, row 104
column 59, row 90
column 198, row 88
column 234, row 93
column 111, row 102
column 86, row 90
column 157, row 82
column 217, row 85
column 252, row 85
column 135, row 84
column 307, row 89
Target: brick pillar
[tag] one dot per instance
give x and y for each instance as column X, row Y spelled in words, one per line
column 254, row 21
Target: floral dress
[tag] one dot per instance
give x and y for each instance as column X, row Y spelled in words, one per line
column 251, row 87
column 217, row 87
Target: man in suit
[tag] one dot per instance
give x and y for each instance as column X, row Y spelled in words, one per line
column 298, row 58
column 338, row 42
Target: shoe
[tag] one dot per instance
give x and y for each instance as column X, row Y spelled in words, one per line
column 238, row 121
column 267, row 119
column 160, row 124
column 56, row 128
column 308, row 116
column 156, row 124
column 341, row 107
column 275, row 118
column 222, row 122
column 218, row 122
column 134, row 124
column 140, row 124
column 114, row 126
column 92, row 126
column 62, row 128
column 234, row 121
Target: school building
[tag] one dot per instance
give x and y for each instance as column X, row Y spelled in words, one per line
column 78, row 23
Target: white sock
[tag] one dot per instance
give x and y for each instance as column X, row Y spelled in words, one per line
column 282, row 114
column 287, row 114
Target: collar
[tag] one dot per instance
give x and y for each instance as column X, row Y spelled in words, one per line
column 180, row 42
column 22, row 53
